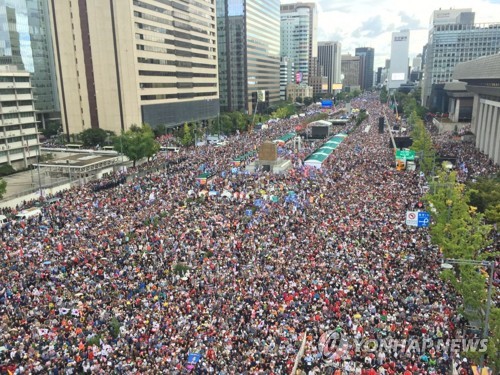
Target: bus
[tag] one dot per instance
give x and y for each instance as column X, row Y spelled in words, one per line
column 74, row 146
column 169, row 149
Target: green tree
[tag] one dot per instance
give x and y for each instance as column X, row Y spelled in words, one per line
column 51, row 129
column 457, row 229
column 280, row 113
column 137, row 143
column 239, row 121
column 354, row 94
column 93, row 137
column 485, row 196
column 3, row 188
column 160, row 130
column 422, row 145
column 298, row 99
column 187, row 137
column 384, row 95
column 308, row 101
column 460, row 233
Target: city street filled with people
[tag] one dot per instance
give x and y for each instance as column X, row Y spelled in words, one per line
column 163, row 275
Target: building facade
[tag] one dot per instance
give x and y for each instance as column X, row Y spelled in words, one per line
column 367, row 57
column 25, row 42
column 299, row 36
column 329, row 57
column 482, row 78
column 287, row 75
column 19, row 141
column 294, row 91
column 453, row 38
column 317, row 79
column 398, row 70
column 351, row 70
column 249, row 53
column 123, row 63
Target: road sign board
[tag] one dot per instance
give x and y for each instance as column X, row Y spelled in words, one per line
column 412, row 218
column 405, row 154
column 423, row 219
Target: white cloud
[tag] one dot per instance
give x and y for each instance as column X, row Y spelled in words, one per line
column 369, row 23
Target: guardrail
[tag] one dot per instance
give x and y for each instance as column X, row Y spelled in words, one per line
column 59, row 182
column 79, row 151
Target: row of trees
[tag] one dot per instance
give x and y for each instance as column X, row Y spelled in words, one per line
column 462, row 232
column 463, row 218
column 422, row 144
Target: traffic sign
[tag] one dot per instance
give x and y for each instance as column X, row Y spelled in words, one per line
column 412, row 218
column 405, row 155
column 424, row 219
column 419, row 219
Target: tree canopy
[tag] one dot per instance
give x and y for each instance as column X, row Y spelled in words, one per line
column 461, row 233
column 137, row 143
column 95, row 136
column 485, row 196
column 422, row 144
column 3, row 188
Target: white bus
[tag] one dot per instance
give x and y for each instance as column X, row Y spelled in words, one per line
column 169, row 149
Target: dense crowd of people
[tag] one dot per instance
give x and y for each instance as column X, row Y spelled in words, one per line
column 164, row 275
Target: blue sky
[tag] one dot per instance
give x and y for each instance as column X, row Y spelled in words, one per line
column 369, row 23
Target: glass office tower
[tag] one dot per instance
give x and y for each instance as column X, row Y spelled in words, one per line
column 248, row 39
column 25, row 42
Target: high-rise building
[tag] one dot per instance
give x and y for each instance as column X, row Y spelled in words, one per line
column 121, row 63
column 19, row 142
column 317, row 79
column 25, row 42
column 351, row 70
column 367, row 55
column 398, row 71
column 329, row 57
column 299, row 36
column 453, row 38
column 249, row 53
column 417, row 63
column 378, row 81
column 287, row 75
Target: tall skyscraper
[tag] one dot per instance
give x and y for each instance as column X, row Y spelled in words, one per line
column 299, row 36
column 352, row 71
column 329, row 57
column 453, row 38
column 121, row 63
column 249, row 52
column 367, row 55
column 398, row 71
column 26, row 43
column 287, row 75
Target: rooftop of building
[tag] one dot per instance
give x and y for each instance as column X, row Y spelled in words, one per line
column 487, row 67
column 78, row 160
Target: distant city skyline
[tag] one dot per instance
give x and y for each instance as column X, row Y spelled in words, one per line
column 365, row 23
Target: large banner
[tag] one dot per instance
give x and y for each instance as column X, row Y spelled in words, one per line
column 261, row 96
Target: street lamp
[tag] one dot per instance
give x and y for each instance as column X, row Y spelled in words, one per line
column 448, row 264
